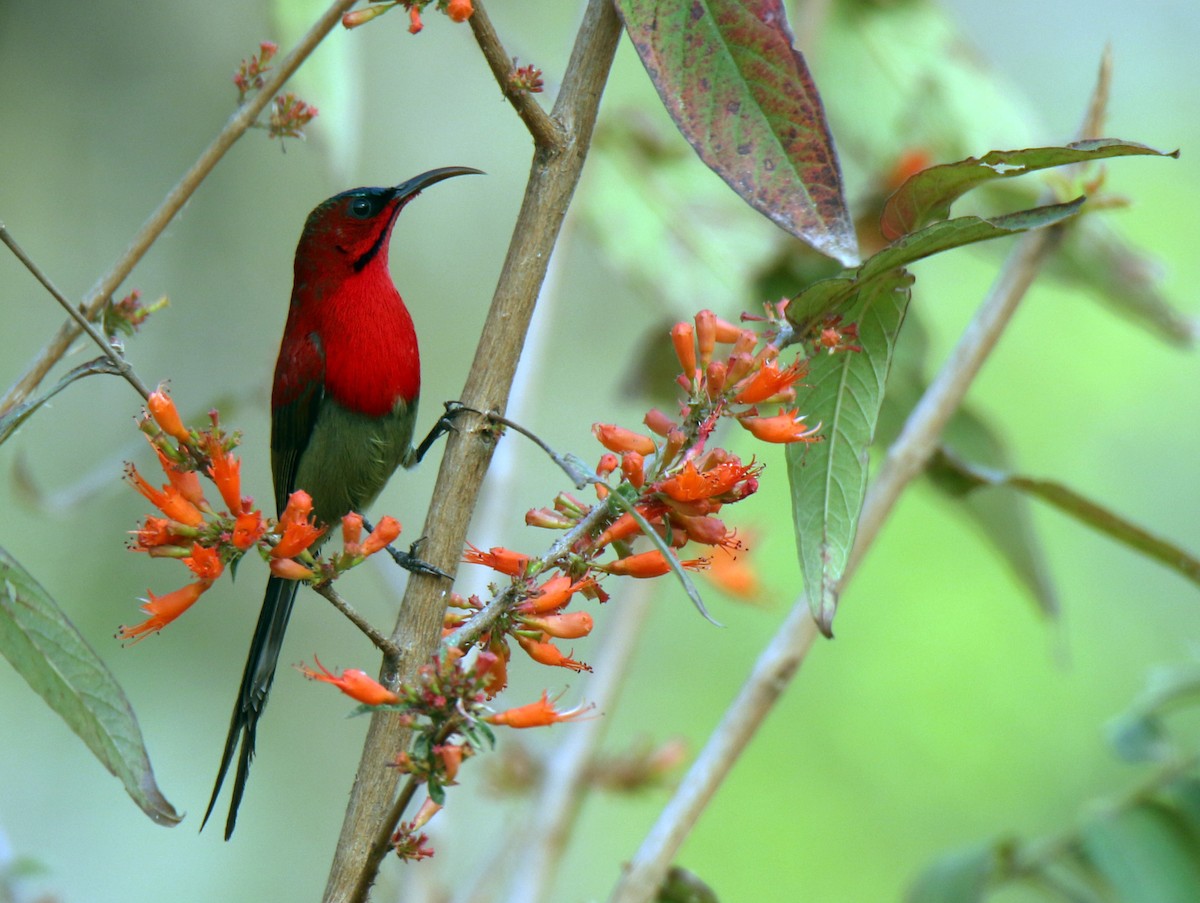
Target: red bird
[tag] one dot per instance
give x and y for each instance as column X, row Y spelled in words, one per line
column 342, row 409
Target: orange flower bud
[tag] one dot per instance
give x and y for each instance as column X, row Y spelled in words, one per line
column 459, row 10
column 618, row 439
column 166, row 415
column 568, row 626
column 714, row 379
column 382, row 536
column 357, row 17
column 414, row 20
column 354, row 683
column 290, row 569
column 683, row 338
column 547, row 517
column 658, row 422
column 352, row 525
column 706, row 335
column 537, row 714
column 607, row 464
column 633, row 467
column 727, row 333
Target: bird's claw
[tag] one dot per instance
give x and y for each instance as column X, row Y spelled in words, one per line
column 413, row 563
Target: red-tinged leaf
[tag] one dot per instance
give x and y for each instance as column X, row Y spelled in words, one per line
column 45, row 648
column 927, row 195
column 742, row 95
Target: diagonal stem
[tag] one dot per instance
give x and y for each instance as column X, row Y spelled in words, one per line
column 553, row 177
column 244, row 117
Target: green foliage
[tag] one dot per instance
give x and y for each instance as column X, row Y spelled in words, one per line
column 45, row 648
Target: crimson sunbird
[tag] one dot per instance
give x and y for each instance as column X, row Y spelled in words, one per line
column 343, row 406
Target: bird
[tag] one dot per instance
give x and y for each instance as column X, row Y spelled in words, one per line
column 343, row 407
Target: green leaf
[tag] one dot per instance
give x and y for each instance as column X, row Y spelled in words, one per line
column 829, row 478
column 742, row 96
column 46, row 649
column 681, row 886
column 1140, row 734
column 961, row 876
column 838, row 294
column 14, row 418
column 928, row 194
column 1087, row 512
column 1183, row 796
column 1146, row 853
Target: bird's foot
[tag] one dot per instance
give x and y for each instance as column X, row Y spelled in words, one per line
column 411, row 560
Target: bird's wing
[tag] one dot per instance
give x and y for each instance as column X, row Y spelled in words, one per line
column 295, row 402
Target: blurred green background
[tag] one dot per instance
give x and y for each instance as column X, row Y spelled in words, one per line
column 946, row 711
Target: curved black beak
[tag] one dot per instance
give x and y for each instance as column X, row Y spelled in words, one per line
column 414, row 186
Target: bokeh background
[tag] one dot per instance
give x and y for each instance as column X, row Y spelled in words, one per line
column 947, row 710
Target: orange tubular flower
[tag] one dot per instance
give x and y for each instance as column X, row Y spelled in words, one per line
column 769, row 381
column 414, row 20
column 727, row 333
column 459, row 10
column 658, row 422
column 155, row 532
column 649, row 564
column 205, row 563
column 187, row 482
column 618, row 439
column 381, row 537
column 706, row 335
column 549, row 654
column 297, row 531
column 163, row 610
column 787, row 426
column 247, row 529
column 683, row 337
column 569, row 626
column 357, row 17
column 166, row 415
column 554, row 594
column 498, row 558
column 729, row 477
column 633, row 468
column 537, row 714
column 168, row 500
column 734, row 576
column 226, row 472
column 354, row 683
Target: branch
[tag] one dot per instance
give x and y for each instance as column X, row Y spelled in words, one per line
column 557, row 163
column 244, row 117
column 787, row 650
column 385, row 645
column 122, row 365
column 546, row 131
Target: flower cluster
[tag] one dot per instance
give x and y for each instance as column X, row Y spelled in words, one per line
column 445, row 708
column 127, row 315
column 289, row 116
column 209, row 537
column 525, row 79
column 457, row 10
column 250, row 74
column 668, row 482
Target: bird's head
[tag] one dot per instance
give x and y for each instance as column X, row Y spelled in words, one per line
column 350, row 231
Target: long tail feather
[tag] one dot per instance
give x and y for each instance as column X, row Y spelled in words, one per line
column 252, row 696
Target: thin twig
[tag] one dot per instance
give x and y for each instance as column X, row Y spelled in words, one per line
column 565, row 778
column 244, row 117
column 553, row 176
column 110, row 352
column 386, row 646
column 546, row 131
column 787, row 650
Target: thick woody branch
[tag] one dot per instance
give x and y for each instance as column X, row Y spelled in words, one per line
column 242, row 119
column 553, row 177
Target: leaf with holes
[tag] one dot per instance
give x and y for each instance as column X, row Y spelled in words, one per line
column 742, row 96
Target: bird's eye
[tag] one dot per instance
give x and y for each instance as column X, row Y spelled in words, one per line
column 360, row 208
